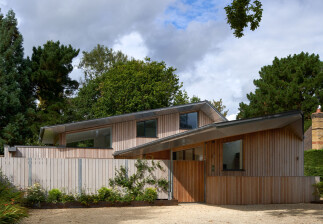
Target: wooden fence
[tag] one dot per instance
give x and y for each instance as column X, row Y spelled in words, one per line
column 70, row 175
column 235, row 190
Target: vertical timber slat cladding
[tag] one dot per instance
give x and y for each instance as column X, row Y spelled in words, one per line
column 204, row 119
column 276, row 152
column 235, row 190
column 60, row 152
column 188, row 181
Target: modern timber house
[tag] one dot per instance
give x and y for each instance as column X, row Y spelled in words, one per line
column 251, row 161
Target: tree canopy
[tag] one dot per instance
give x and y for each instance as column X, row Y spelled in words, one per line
column 15, row 89
column 291, row 83
column 243, row 13
column 130, row 86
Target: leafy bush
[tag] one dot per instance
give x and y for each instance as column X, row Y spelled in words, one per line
column 10, row 197
column 54, row 196
column 150, row 194
column 87, row 199
column 35, row 195
column 319, row 188
column 68, row 198
column 104, row 194
column 313, row 163
column 115, row 196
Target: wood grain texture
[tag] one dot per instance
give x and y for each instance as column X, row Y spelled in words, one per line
column 188, row 181
column 237, row 190
column 63, row 173
column 276, row 152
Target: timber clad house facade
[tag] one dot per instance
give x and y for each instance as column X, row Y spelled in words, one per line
column 212, row 160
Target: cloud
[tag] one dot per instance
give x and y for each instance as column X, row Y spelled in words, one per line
column 132, row 45
column 190, row 35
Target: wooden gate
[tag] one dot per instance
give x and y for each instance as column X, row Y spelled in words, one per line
column 188, row 181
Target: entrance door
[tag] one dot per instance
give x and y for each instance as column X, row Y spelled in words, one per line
column 188, row 180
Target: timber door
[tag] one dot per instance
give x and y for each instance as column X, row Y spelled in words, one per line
column 188, row 181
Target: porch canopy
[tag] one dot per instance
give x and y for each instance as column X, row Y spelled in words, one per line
column 293, row 120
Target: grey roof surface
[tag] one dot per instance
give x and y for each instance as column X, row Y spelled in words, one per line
column 48, row 133
column 293, row 119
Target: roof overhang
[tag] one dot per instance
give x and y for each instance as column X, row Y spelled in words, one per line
column 49, row 133
column 292, row 120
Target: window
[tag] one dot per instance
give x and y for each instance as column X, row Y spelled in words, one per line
column 188, row 121
column 189, row 154
column 232, row 155
column 97, row 138
column 147, row 128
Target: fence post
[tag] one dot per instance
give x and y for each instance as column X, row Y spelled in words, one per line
column 80, row 176
column 126, row 166
column 30, row 172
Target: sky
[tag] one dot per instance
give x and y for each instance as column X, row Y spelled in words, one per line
column 189, row 35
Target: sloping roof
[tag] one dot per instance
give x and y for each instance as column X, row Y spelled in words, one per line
column 293, row 119
column 48, row 133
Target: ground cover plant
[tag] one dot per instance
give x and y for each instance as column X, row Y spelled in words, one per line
column 11, row 199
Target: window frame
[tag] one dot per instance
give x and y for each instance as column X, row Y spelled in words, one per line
column 90, row 129
column 197, row 120
column 241, row 157
column 144, row 121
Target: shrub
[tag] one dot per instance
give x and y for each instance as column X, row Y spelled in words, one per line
column 115, row 196
column 319, row 189
column 104, row 193
column 54, row 196
column 150, row 194
column 87, row 199
column 313, row 163
column 68, row 198
column 10, row 197
column 35, row 195
column 11, row 212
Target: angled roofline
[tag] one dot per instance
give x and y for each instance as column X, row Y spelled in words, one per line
column 115, row 117
column 214, row 125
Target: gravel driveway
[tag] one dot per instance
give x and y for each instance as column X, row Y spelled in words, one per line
column 183, row 213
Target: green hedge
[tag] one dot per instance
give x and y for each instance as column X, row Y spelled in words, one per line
column 313, row 163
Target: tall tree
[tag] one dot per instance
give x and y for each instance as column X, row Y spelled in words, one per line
column 99, row 60
column 51, row 66
column 220, row 107
column 242, row 13
column 291, row 83
column 131, row 86
column 16, row 101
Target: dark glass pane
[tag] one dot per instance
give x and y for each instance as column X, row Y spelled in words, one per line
column 183, row 121
column 98, row 138
column 192, row 120
column 150, row 128
column 141, row 129
column 188, row 121
column 179, row 155
column 232, row 155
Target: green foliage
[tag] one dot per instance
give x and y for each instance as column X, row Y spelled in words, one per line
column 54, row 196
column 319, row 188
column 220, row 107
column 16, row 97
column 67, row 198
column 35, row 195
column 99, row 61
column 313, row 163
column 241, row 13
column 104, row 194
column 150, row 194
column 133, row 186
column 10, row 198
column 292, row 83
column 130, row 86
column 87, row 199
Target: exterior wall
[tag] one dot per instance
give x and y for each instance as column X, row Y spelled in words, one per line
column 234, row 190
column 276, row 152
column 317, row 130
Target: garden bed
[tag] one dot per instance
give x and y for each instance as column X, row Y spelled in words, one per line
column 46, row 205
